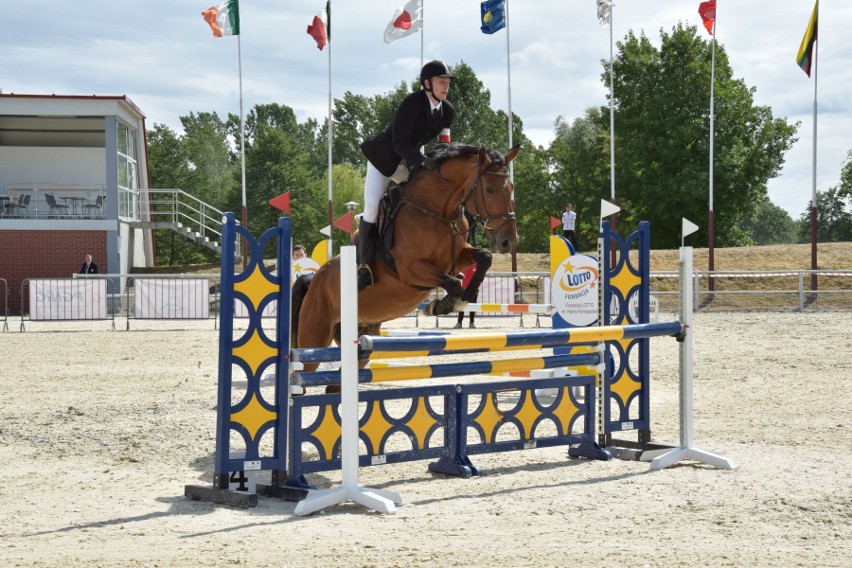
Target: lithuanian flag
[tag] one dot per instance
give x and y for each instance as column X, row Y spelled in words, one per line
column 806, row 51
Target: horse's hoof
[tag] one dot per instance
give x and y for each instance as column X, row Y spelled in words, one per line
column 460, row 306
column 429, row 310
column 332, row 389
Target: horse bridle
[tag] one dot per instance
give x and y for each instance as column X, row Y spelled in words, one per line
column 478, row 219
column 454, row 222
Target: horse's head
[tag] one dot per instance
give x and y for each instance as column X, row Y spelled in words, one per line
column 489, row 199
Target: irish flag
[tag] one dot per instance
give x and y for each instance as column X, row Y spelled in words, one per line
column 224, row 19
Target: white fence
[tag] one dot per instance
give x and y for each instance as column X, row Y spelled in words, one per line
column 196, row 297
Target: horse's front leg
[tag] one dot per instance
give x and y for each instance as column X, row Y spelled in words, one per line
column 446, row 305
column 423, row 274
column 482, row 259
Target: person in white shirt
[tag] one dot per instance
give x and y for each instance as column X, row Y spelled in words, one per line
column 569, row 219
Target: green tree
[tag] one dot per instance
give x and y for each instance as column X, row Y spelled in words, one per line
column 834, row 220
column 579, row 156
column 280, row 157
column 834, row 211
column 662, row 137
column 213, row 161
column 768, row 225
column 173, row 166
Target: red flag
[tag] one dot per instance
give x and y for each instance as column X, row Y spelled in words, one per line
column 320, row 28
column 554, row 222
column 281, row 202
column 345, row 223
column 707, row 11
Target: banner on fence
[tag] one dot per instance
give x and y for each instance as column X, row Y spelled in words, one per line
column 68, row 299
column 497, row 290
column 574, row 290
column 172, row 298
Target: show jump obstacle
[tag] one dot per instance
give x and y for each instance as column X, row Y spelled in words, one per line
column 260, row 426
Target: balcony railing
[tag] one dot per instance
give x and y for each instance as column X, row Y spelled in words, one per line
column 52, row 201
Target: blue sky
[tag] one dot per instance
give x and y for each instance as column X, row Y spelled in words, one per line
column 161, row 54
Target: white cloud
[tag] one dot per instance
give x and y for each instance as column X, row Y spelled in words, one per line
column 162, row 55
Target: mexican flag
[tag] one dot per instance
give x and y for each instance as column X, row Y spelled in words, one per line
column 320, row 26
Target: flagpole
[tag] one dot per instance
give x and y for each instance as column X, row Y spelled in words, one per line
column 330, row 130
column 509, row 90
column 814, row 219
column 612, row 126
column 711, row 237
column 244, row 216
column 611, row 111
column 422, row 30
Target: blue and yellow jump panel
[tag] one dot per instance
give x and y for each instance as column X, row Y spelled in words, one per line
column 247, row 416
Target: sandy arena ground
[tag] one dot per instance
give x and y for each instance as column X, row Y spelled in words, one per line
column 101, row 430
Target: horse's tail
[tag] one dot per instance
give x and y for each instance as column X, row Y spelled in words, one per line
column 300, row 290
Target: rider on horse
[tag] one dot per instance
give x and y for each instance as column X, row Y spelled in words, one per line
column 395, row 153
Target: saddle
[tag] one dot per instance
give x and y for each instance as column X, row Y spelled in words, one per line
column 389, row 205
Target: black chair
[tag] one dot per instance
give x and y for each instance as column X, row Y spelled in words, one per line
column 95, row 209
column 55, row 208
column 23, row 205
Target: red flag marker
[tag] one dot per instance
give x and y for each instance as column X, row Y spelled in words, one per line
column 281, row 202
column 345, row 223
column 554, row 222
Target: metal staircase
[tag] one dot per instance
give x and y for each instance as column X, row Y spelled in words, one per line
column 173, row 209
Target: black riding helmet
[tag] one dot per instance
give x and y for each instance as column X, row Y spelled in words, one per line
column 434, row 68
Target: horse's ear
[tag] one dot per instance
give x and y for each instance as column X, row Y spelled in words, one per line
column 483, row 157
column 511, row 154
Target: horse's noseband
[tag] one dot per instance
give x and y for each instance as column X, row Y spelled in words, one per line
column 480, row 219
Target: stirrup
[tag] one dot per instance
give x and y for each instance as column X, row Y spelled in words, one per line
column 362, row 281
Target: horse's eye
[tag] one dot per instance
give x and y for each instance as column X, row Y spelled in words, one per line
column 489, row 189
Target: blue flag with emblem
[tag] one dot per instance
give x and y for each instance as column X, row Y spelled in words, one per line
column 493, row 16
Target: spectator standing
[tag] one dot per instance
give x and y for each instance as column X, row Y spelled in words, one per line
column 569, row 220
column 88, row 267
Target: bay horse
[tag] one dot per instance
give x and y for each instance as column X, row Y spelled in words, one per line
column 429, row 246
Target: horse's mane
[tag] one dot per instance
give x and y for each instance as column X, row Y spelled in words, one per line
column 442, row 152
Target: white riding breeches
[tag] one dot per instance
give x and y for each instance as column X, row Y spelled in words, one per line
column 375, row 185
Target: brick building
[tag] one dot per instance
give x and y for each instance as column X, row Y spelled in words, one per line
column 73, row 180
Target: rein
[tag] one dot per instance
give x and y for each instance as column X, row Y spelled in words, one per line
column 454, row 221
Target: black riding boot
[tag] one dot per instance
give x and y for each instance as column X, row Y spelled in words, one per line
column 367, row 236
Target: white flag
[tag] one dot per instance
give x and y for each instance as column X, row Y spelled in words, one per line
column 406, row 21
column 608, row 208
column 604, row 12
column 688, row 227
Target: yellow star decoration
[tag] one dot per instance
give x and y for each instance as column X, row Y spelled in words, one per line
column 624, row 388
column 327, row 433
column 489, row 418
column 623, row 282
column 256, row 287
column 376, row 427
column 527, row 415
column 565, row 412
column 253, row 416
column 255, row 351
column 420, row 423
